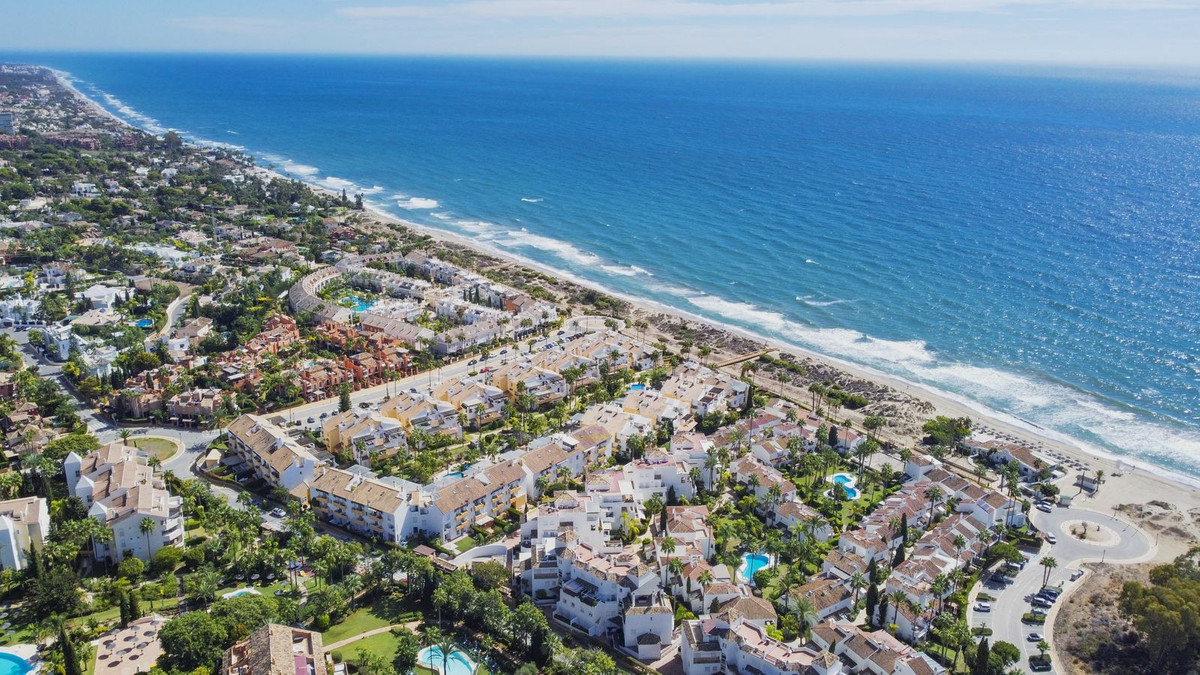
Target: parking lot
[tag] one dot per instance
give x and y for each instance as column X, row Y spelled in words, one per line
column 1109, row 540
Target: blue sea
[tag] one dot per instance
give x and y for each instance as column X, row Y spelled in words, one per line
column 1022, row 239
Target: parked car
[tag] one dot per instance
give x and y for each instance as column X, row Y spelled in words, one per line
column 312, row 420
column 278, row 512
column 1049, row 594
column 472, row 362
column 1033, row 637
column 982, row 607
column 1039, row 665
column 1076, row 574
column 1044, row 508
column 1052, row 539
column 364, row 405
column 1039, row 601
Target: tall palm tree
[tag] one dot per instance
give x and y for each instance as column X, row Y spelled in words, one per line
column 1048, row 563
column 934, row 494
column 148, row 525
column 858, row 582
column 897, row 597
column 805, row 612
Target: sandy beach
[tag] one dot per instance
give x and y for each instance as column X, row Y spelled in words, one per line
column 1167, row 506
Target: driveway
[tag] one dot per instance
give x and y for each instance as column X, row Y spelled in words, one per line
column 1116, row 541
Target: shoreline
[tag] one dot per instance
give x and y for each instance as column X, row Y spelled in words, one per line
column 1146, row 480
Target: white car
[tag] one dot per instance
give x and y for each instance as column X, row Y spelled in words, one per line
column 1044, row 508
column 1033, row 637
column 1052, row 539
column 982, row 607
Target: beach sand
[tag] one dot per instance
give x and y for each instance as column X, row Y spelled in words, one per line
column 1166, row 506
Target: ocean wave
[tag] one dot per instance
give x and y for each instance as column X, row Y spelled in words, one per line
column 626, row 270
column 562, row 249
column 132, row 115
column 820, row 303
column 231, row 131
column 417, row 203
column 531, row 200
column 810, row 261
column 373, row 190
column 335, row 183
column 441, row 215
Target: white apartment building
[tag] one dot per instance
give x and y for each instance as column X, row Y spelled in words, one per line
column 129, row 497
column 24, row 526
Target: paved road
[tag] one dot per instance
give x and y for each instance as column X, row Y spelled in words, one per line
column 1069, row 552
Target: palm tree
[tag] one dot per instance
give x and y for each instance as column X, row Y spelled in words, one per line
column 148, row 525
column 858, row 582
column 897, row 597
column 805, row 612
column 447, row 646
column 1042, row 646
column 667, row 545
column 125, row 434
column 1048, row 563
column 960, row 543
column 705, row 578
column 940, row 585
column 934, row 494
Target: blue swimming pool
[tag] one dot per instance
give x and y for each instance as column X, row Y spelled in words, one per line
column 144, row 323
column 458, row 663
column 358, row 304
column 11, row 664
column 751, row 564
column 846, row 482
column 637, row 386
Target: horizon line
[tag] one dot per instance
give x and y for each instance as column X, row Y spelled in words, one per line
column 781, row 60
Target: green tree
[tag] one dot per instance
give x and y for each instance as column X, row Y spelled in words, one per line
column 193, row 640
column 344, row 399
column 1003, row 654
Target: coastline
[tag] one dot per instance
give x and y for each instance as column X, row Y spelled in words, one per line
column 1145, row 481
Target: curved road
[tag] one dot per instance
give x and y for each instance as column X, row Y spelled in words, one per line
column 1130, row 545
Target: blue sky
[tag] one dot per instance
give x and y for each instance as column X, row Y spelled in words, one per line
column 1053, row 31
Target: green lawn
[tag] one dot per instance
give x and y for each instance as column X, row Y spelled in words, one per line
column 162, row 448
column 383, row 612
column 383, row 644
column 465, row 544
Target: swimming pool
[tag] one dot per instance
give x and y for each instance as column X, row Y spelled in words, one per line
column 458, row 663
column 144, row 323
column 240, row 592
column 357, row 304
column 751, row 564
column 11, row 664
column 637, row 386
column 846, row 482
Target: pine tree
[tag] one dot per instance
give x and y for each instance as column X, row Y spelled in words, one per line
column 982, row 656
column 344, row 400
column 898, row 558
column 872, row 600
column 34, row 565
column 135, row 606
column 904, row 529
column 69, row 655
column 124, row 602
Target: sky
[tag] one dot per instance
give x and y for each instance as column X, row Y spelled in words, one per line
column 1099, row 32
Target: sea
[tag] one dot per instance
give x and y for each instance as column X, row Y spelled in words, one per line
column 1023, row 239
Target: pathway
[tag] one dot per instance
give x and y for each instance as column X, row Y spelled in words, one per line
column 411, row 625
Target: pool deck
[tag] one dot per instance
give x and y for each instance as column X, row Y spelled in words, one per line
column 24, row 651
